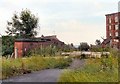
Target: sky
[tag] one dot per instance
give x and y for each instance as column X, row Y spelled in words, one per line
column 73, row 21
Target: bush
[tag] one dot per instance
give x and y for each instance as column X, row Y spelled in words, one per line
column 99, row 49
column 114, row 52
column 7, row 45
column 83, row 56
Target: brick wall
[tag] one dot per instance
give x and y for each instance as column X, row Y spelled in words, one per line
column 23, row 46
column 113, row 29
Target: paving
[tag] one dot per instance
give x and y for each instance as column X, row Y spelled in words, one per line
column 48, row 75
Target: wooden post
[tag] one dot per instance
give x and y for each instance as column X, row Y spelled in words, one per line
column 16, row 53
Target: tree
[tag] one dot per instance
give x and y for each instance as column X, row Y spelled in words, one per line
column 7, row 45
column 98, row 42
column 83, row 46
column 23, row 25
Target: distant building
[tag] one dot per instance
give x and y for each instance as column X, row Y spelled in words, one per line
column 112, row 30
column 22, row 46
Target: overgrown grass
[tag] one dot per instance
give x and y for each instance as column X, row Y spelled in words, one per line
column 93, row 71
column 0, row 67
column 12, row 67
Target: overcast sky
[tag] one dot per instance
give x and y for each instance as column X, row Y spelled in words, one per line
column 73, row 21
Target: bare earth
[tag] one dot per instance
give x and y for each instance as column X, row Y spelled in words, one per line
column 48, row 75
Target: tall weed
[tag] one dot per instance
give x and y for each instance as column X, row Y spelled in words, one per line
column 11, row 67
column 93, row 72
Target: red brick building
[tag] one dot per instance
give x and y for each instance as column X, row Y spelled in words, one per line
column 112, row 30
column 22, row 46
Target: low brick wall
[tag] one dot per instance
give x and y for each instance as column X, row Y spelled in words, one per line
column 88, row 54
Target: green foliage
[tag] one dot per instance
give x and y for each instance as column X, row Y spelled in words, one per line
column 68, row 48
column 83, row 46
column 44, row 51
column 114, row 52
column 49, row 50
column 97, row 42
column 23, row 25
column 11, row 67
column 7, row 45
column 99, row 49
column 106, row 63
column 83, row 76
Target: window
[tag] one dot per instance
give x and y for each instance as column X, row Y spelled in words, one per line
column 110, row 34
column 116, row 18
column 109, row 20
column 116, row 40
column 110, row 27
column 116, row 27
column 116, row 33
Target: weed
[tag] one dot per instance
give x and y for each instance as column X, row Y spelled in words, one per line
column 92, row 72
column 12, row 67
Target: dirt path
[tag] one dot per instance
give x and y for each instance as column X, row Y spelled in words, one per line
column 48, row 75
column 77, row 63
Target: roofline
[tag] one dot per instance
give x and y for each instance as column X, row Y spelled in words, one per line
column 29, row 40
column 112, row 14
column 47, row 36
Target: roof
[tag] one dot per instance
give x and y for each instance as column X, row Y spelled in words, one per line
column 106, row 41
column 49, row 37
column 112, row 14
column 29, row 40
column 38, row 39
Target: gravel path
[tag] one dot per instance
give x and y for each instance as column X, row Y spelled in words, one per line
column 48, row 75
